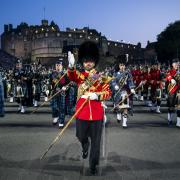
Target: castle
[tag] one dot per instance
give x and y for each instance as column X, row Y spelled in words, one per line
column 47, row 43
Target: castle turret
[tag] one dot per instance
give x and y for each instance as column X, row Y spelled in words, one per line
column 44, row 22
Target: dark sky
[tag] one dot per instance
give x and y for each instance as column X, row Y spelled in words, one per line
column 129, row 20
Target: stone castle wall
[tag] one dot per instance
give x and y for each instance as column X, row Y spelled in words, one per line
column 47, row 41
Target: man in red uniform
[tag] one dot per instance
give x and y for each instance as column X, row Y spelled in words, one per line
column 93, row 89
column 136, row 74
column 173, row 86
column 146, row 85
column 156, row 87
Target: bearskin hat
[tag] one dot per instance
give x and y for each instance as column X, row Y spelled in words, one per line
column 88, row 51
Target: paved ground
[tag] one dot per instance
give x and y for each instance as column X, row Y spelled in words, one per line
column 147, row 150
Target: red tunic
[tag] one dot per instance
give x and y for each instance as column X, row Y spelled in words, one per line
column 155, row 79
column 93, row 109
column 146, row 78
column 170, row 75
column 136, row 76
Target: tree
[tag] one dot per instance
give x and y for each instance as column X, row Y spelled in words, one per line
column 168, row 43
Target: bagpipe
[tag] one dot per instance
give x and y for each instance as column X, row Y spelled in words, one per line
column 123, row 79
column 121, row 82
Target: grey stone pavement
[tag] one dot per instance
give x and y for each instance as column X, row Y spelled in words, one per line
column 147, row 150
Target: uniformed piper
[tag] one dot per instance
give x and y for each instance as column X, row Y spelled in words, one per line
column 21, row 91
column 156, row 87
column 59, row 85
column 36, row 84
column 173, row 86
column 122, row 86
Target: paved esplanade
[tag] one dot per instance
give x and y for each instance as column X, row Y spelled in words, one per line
column 147, row 150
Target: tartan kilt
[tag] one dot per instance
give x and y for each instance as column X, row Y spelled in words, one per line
column 171, row 100
column 71, row 101
column 57, row 102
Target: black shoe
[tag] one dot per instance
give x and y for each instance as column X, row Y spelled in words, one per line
column 85, row 150
column 84, row 154
column 118, row 121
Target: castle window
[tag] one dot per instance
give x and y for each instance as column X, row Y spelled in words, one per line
column 122, row 45
column 70, row 35
column 91, row 33
column 58, row 34
column 108, row 43
column 80, row 36
column 115, row 44
column 96, row 39
column 46, row 34
column 89, row 37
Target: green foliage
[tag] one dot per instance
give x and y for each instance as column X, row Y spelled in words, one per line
column 168, row 43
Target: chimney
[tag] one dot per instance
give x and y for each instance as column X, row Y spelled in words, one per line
column 10, row 27
column 5, row 28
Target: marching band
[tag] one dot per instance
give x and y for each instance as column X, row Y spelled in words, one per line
column 83, row 87
column 26, row 84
